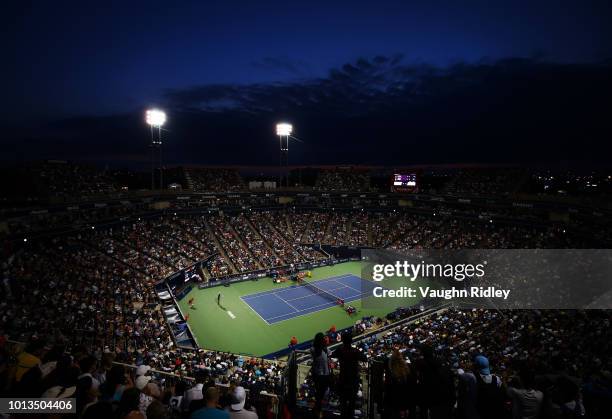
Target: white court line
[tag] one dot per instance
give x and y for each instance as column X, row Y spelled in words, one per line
column 352, row 298
column 255, row 311
column 299, row 311
column 286, row 302
column 296, row 309
column 229, row 313
column 313, row 292
column 275, row 291
column 348, row 286
column 278, row 291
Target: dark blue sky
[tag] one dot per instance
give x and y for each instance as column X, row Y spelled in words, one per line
column 101, row 63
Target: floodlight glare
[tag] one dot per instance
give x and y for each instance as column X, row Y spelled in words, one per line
column 284, row 130
column 156, row 117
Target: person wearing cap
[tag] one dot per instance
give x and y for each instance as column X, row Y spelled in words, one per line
column 210, row 410
column 142, row 370
column 236, row 408
column 480, row 393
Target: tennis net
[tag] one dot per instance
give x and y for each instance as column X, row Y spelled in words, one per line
column 319, row 291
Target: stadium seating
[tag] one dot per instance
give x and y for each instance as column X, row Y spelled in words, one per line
column 91, row 289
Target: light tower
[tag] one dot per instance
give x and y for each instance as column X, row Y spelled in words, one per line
column 155, row 119
column 284, row 130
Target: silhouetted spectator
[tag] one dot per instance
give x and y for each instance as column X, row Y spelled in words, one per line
column 348, row 383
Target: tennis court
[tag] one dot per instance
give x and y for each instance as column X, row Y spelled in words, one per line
column 275, row 306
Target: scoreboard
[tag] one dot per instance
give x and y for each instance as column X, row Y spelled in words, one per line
column 404, row 182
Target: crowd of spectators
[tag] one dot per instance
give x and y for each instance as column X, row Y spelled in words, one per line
column 486, row 181
column 214, row 180
column 91, row 293
column 68, row 180
column 104, row 387
column 358, row 229
column 79, row 309
column 256, row 244
column 35, row 222
column 239, row 255
column 196, row 229
column 420, row 232
column 264, row 222
column 74, row 294
column 62, row 181
column 297, row 224
column 337, row 229
column 344, row 179
column 475, row 364
column 381, row 224
column 316, row 228
column 142, row 237
column 513, row 342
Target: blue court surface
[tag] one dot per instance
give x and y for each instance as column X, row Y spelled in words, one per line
column 277, row 305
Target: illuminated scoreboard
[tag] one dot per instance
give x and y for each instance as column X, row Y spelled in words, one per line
column 404, row 182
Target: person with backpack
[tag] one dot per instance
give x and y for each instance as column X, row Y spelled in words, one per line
column 480, row 393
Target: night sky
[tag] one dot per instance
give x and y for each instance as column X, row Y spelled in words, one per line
column 372, row 82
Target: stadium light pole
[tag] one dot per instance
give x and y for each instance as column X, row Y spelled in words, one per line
column 284, row 130
column 155, row 119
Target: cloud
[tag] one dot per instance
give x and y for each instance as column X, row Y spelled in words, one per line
column 378, row 110
column 285, row 65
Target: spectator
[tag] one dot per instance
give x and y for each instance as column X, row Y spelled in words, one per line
column 99, row 410
column 116, row 382
column 320, row 370
column 195, row 392
column 89, row 365
column 526, row 401
column 400, row 387
column 211, row 410
column 237, row 409
column 480, row 392
column 565, row 402
column 195, row 399
column 129, row 405
column 437, row 386
column 157, row 410
column 29, row 358
column 348, row 382
column 147, row 395
column 176, row 400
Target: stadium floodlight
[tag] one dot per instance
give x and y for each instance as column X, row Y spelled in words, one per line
column 284, row 129
column 155, row 117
